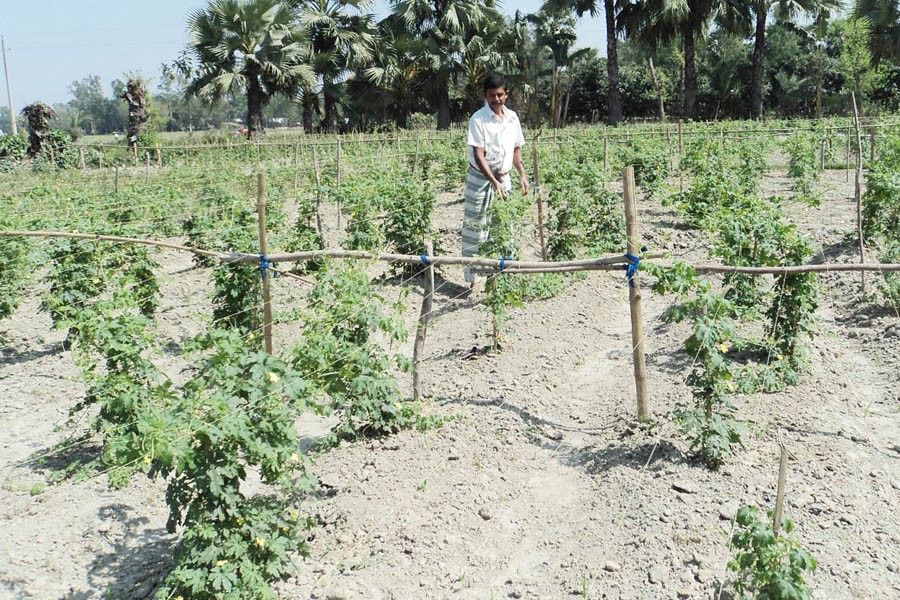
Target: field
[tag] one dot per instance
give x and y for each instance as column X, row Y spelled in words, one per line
column 524, row 473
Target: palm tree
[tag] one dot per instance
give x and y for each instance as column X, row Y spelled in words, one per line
column 444, row 26
column 337, row 42
column 135, row 95
column 399, row 60
column 740, row 15
column 246, row 45
column 555, row 31
column 884, row 16
column 611, row 10
column 659, row 22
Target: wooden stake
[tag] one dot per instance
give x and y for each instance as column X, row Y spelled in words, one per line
column 422, row 327
column 634, row 295
column 606, row 153
column 158, row 158
column 539, row 194
column 263, row 250
column 338, row 180
column 847, row 177
column 147, row 177
column 318, row 194
column 871, row 144
column 779, row 498
column 415, row 164
column 858, row 191
column 81, row 158
column 822, row 155
column 116, row 180
column 102, row 154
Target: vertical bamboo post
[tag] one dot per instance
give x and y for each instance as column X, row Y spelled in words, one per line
column 872, row 144
column 634, row 295
column 116, row 180
column 822, row 155
column 424, row 319
column 102, row 154
column 779, row 498
column 606, row 153
column 539, row 194
column 81, row 158
column 158, row 158
column 415, row 164
column 338, row 182
column 858, row 192
column 680, row 157
column 147, row 174
column 296, row 164
column 847, row 174
column 319, row 228
column 263, row 251
column 52, row 159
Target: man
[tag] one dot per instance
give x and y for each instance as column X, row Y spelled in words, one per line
column 495, row 146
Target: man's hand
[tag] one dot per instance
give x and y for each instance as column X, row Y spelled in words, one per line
column 498, row 188
column 523, row 181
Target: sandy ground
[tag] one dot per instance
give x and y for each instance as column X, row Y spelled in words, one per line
column 544, row 486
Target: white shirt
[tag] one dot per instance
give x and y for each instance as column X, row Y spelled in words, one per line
column 499, row 136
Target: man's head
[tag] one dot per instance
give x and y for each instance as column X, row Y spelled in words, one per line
column 495, row 91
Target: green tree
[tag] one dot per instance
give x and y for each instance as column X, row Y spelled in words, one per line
column 554, row 29
column 444, row 26
column 252, row 46
column 612, row 11
column 884, row 36
column 856, row 61
column 337, row 41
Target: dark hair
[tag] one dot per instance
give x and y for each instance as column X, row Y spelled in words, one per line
column 494, row 81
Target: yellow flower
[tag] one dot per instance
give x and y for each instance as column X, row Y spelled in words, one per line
column 221, row 563
column 95, row 280
column 780, row 357
column 273, row 377
column 260, row 543
column 295, row 457
column 179, row 597
column 147, row 460
column 723, row 347
column 240, row 521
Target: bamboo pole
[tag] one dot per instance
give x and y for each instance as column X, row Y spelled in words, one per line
column 158, row 158
column 422, row 327
column 634, row 295
column 857, row 186
column 81, row 158
column 263, row 252
column 539, row 194
column 338, row 181
column 116, row 180
column 847, row 173
column 606, row 153
column 779, row 499
column 415, row 165
column 147, row 174
column 871, row 144
column 318, row 194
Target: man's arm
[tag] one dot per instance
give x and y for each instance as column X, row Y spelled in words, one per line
column 520, row 167
column 485, row 169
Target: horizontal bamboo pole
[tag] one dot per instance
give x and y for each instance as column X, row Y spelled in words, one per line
column 609, row 263
column 791, row 270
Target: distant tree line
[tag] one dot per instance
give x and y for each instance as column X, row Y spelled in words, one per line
column 330, row 66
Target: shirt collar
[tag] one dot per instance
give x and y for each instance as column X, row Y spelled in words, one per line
column 495, row 115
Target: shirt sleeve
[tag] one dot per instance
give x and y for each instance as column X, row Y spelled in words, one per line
column 476, row 134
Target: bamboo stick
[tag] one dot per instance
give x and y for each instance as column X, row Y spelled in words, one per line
column 338, row 181
column 634, row 296
column 857, row 186
column 779, row 499
column 263, row 251
column 539, row 194
column 422, row 327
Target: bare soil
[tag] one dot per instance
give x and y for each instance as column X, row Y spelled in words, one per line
column 544, row 486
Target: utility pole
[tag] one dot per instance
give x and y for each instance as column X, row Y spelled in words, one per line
column 12, row 110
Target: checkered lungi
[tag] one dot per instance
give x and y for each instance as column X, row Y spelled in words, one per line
column 476, row 217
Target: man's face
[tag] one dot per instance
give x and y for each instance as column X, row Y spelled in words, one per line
column 495, row 97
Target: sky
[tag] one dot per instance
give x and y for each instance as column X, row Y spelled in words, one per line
column 52, row 43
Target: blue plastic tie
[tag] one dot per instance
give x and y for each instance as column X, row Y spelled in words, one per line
column 425, row 260
column 503, row 262
column 264, row 265
column 634, row 263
